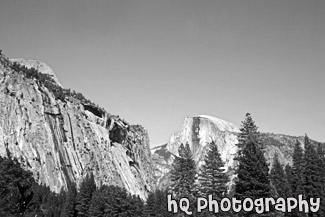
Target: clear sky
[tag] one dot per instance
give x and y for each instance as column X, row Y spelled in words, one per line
column 155, row 62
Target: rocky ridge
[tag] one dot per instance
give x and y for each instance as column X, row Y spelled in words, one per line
column 39, row 66
column 60, row 141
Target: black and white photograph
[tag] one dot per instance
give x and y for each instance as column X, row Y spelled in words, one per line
column 162, row 108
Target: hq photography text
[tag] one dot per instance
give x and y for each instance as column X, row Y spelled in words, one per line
column 260, row 205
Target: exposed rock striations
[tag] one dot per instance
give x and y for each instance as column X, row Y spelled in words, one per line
column 197, row 132
column 61, row 140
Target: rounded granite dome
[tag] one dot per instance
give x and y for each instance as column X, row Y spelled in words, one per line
column 40, row 66
column 222, row 124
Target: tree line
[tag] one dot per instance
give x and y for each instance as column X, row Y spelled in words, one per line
column 58, row 91
column 306, row 175
column 20, row 195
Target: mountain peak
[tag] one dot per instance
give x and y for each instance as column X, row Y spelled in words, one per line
column 221, row 124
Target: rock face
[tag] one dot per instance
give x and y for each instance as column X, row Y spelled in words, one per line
column 61, row 141
column 197, row 132
column 201, row 130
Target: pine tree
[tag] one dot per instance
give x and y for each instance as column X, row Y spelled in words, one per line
column 161, row 204
column 253, row 177
column 136, row 206
column 87, row 187
column 289, row 180
column 312, row 184
column 212, row 177
column 248, row 130
column 279, row 179
column 97, row 204
column 183, row 176
column 310, row 170
column 69, row 209
column 183, row 173
column 297, row 174
column 321, row 169
column 253, row 172
column 297, row 169
column 150, row 206
column 115, row 201
column 15, row 184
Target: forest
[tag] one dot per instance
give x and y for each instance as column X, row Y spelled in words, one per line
column 306, row 175
column 20, row 195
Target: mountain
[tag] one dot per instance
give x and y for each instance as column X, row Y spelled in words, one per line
column 60, row 136
column 200, row 130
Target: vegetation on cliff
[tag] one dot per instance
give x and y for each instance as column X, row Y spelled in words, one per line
column 59, row 92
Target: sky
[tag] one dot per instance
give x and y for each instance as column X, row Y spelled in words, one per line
column 155, row 62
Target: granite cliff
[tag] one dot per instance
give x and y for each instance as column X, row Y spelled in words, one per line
column 200, row 130
column 61, row 140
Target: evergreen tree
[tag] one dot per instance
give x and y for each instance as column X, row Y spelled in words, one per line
column 15, row 185
column 321, row 169
column 289, row 178
column 97, row 204
column 115, row 201
column 183, row 173
column 150, row 207
column 53, row 205
column 69, row 209
column 253, row 172
column 87, row 187
column 40, row 203
column 20, row 195
column 253, row 177
column 279, row 179
column 297, row 170
column 248, row 130
column 161, row 204
column 183, row 176
column 312, row 184
column 297, row 176
column 136, row 206
column 212, row 177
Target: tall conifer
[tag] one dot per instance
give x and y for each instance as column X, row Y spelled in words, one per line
column 87, row 188
column 97, row 204
column 248, row 130
column 321, row 169
column 297, row 174
column 150, row 206
column 70, row 203
column 289, row 180
column 312, row 184
column 183, row 173
column 183, row 176
column 279, row 179
column 212, row 177
column 253, row 172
